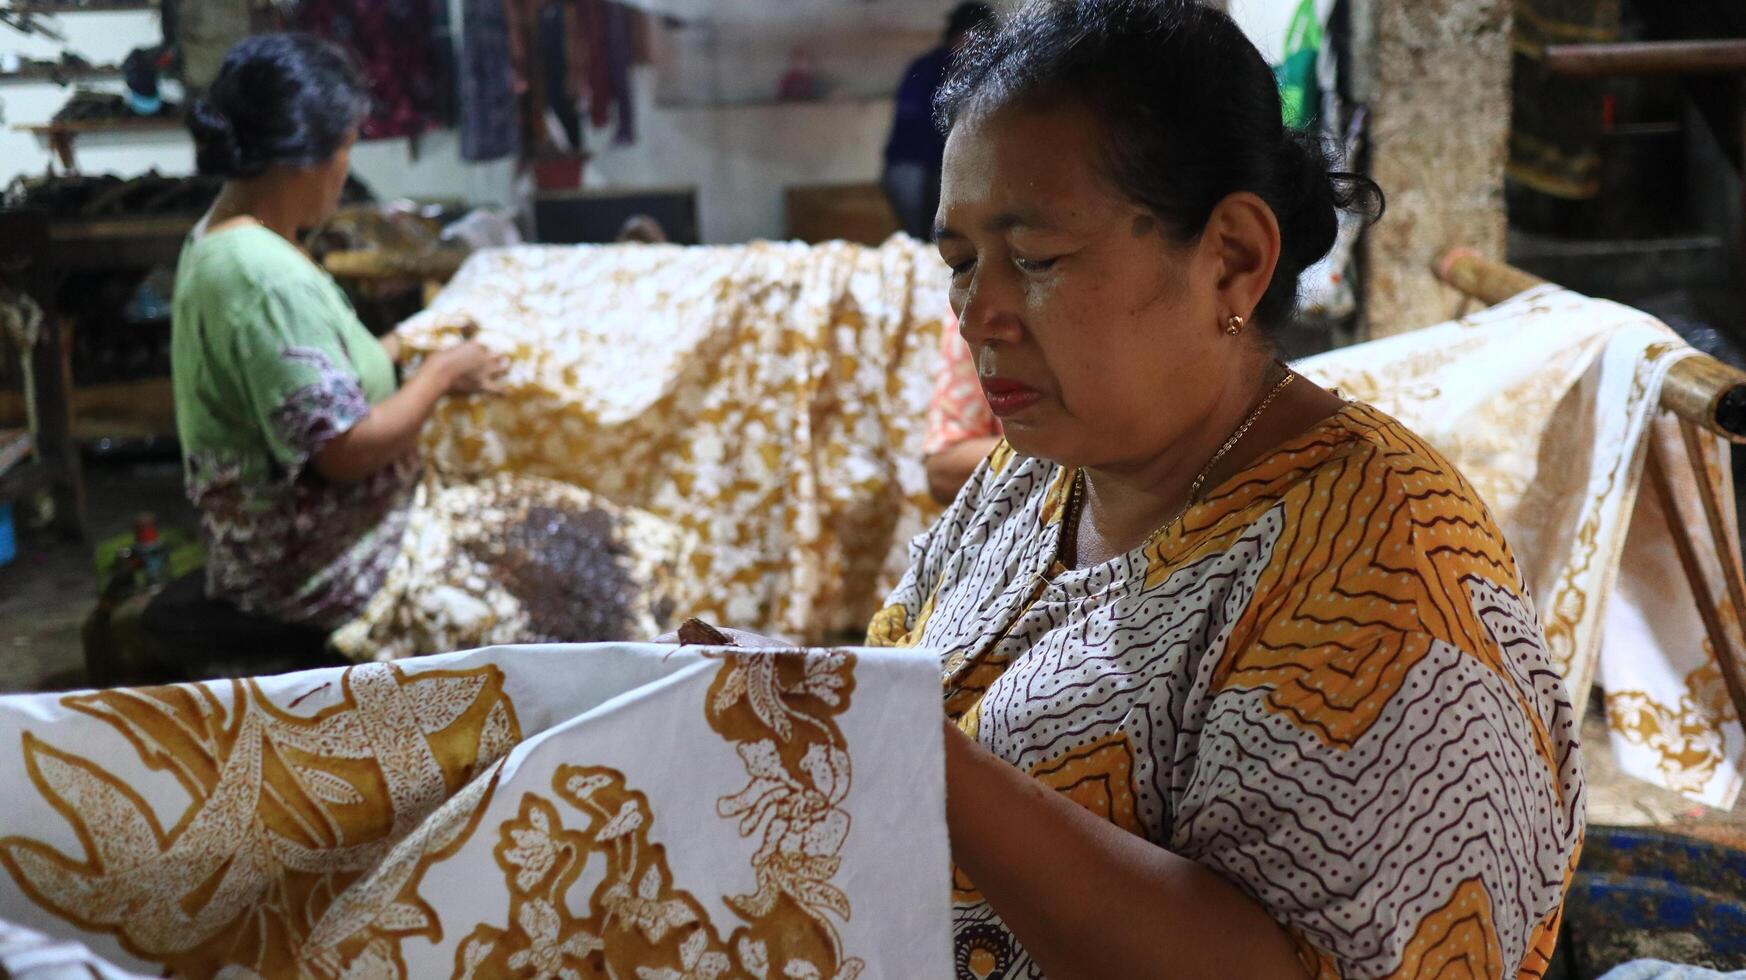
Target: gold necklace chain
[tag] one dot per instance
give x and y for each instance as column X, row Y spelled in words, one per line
column 1077, row 498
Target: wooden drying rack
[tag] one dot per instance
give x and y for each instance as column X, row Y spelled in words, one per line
column 1706, row 396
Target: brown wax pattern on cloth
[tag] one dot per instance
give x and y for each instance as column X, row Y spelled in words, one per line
column 569, row 568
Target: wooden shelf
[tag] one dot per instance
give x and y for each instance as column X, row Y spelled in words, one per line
column 59, row 75
column 101, row 7
column 116, row 410
column 118, row 243
column 80, row 127
column 438, row 265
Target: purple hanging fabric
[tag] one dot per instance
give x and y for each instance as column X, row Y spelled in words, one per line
column 489, row 115
column 620, row 48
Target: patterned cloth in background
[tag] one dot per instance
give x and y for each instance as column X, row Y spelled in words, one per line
column 520, row 559
column 621, row 810
column 1547, row 403
column 958, row 411
column 396, row 47
column 1326, row 683
column 490, row 128
column 1555, row 122
column 769, row 399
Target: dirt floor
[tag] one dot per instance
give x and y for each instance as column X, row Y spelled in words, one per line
column 48, row 591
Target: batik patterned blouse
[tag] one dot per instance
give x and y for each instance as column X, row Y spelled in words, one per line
column 270, row 363
column 1327, row 683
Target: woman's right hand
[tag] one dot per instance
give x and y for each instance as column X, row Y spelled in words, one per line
column 469, row 368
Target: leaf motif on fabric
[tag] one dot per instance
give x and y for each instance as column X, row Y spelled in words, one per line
column 329, row 788
column 442, row 700
column 625, row 821
column 401, row 917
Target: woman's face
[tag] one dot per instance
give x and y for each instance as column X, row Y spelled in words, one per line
column 1107, row 335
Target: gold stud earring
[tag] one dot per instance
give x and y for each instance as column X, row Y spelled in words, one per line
column 1234, row 325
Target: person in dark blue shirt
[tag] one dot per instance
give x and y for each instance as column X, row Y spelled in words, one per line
column 913, row 152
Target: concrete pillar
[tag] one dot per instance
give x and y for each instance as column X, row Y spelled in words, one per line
column 1437, row 80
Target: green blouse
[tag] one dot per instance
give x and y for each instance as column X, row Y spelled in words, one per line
column 270, row 362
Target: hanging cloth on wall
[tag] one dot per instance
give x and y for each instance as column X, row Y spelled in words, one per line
column 596, row 31
column 1299, row 89
column 1555, row 128
column 567, row 53
column 202, row 33
column 392, row 41
column 555, row 71
column 487, row 89
column 445, row 86
column 618, row 61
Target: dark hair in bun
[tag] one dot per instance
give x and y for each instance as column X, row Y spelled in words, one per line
column 1191, row 112
column 289, row 99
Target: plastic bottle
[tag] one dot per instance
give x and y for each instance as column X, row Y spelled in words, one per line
column 153, row 557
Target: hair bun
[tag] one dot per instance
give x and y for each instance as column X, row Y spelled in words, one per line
column 216, row 150
column 1313, row 197
column 1307, row 218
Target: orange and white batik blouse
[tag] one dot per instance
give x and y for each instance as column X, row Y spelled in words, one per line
column 1326, row 683
column 957, row 410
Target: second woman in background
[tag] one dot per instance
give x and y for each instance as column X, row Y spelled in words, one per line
column 299, row 445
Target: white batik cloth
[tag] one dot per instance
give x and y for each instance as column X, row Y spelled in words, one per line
column 553, row 811
column 1546, row 403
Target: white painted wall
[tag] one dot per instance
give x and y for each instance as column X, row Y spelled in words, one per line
column 101, row 38
column 740, row 158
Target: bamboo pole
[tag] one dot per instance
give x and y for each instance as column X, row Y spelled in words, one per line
column 1699, row 389
column 1720, row 57
column 1686, row 545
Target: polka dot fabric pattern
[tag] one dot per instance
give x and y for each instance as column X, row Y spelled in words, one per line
column 1327, row 684
column 769, row 399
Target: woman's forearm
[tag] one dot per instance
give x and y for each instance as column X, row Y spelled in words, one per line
column 389, row 432
column 1090, row 900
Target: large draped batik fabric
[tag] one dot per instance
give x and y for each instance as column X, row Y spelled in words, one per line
column 769, row 398
column 563, row 811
